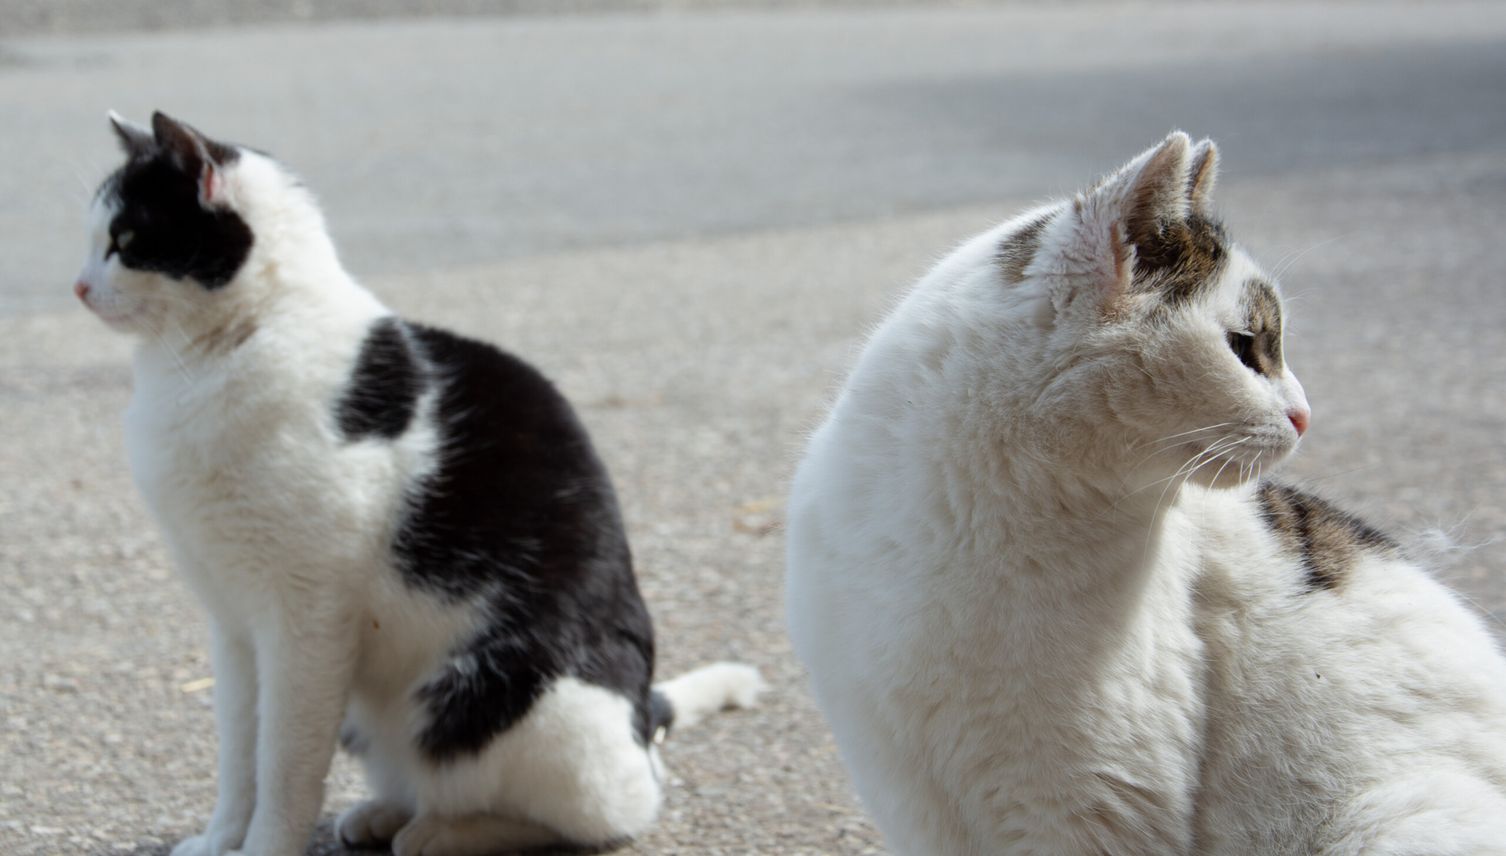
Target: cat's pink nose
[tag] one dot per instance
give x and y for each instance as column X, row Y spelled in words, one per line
column 1299, row 417
column 81, row 289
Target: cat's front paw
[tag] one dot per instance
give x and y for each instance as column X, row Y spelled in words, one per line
column 210, row 843
column 198, row 845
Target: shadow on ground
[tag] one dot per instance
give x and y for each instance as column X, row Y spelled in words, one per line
column 326, row 844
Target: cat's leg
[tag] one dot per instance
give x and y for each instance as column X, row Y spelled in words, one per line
column 373, row 823
column 234, row 664
column 572, row 770
column 470, row 835
column 305, row 661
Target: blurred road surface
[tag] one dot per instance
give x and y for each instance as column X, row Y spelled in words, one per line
column 690, row 220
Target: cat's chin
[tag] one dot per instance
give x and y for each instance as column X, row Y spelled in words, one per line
column 1226, row 464
column 121, row 320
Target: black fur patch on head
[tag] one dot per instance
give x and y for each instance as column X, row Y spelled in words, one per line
column 1258, row 346
column 1326, row 540
column 1180, row 259
column 1017, row 251
column 521, row 516
column 384, row 388
column 160, row 226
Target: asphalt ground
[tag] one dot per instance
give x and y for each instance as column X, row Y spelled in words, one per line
column 690, row 222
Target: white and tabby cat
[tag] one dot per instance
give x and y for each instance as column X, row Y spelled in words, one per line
column 1049, row 606
column 392, row 527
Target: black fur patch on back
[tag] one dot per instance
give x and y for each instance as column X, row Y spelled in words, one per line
column 1326, row 540
column 520, row 515
column 1181, row 259
column 384, row 387
column 161, row 227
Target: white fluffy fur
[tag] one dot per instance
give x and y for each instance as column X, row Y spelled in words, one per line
column 282, row 529
column 1033, row 631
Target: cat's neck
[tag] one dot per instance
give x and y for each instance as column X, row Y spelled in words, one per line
column 295, row 291
column 1046, row 508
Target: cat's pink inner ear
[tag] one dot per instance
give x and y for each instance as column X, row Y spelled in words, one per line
column 211, row 185
column 1203, row 174
column 1158, row 191
column 134, row 139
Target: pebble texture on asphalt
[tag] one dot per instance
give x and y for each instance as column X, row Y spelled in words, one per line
column 699, row 362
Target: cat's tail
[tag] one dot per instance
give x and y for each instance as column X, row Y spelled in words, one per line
column 689, row 698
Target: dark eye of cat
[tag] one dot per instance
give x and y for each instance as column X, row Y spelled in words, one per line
column 118, row 242
column 1243, row 346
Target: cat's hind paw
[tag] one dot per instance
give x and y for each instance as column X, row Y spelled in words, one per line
column 472, row 835
column 370, row 824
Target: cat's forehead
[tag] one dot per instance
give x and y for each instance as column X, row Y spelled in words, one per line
column 1244, row 287
column 129, row 184
column 107, row 195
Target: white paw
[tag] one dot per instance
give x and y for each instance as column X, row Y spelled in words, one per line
column 211, row 843
column 423, row 837
column 195, row 846
column 371, row 824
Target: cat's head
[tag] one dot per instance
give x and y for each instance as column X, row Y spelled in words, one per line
column 1155, row 325
column 176, row 228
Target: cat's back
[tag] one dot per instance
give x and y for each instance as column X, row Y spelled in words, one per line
column 515, row 471
column 1349, row 693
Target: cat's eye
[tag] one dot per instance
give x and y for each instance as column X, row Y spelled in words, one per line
column 1243, row 346
column 119, row 241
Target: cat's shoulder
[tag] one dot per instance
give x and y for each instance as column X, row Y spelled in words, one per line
column 399, row 360
column 1277, row 540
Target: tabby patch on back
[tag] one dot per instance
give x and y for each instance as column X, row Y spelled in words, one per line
column 1050, row 601
column 401, row 535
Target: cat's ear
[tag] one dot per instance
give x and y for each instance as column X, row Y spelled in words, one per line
column 1202, row 174
column 134, row 139
column 1152, row 190
column 1128, row 209
column 194, row 154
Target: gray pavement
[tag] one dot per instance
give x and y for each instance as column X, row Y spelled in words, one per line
column 690, row 221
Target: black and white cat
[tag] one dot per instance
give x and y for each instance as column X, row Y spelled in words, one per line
column 404, row 539
column 1050, row 607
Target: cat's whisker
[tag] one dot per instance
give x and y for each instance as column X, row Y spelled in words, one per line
column 1291, row 259
column 1220, row 473
column 1480, row 607
column 1156, row 513
column 173, row 352
column 1215, row 448
column 1182, row 434
column 83, row 183
column 1208, row 455
column 1164, row 444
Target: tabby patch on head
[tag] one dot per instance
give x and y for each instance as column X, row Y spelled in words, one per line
column 1258, row 346
column 164, row 218
column 1018, row 249
column 1326, row 540
column 1180, row 259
